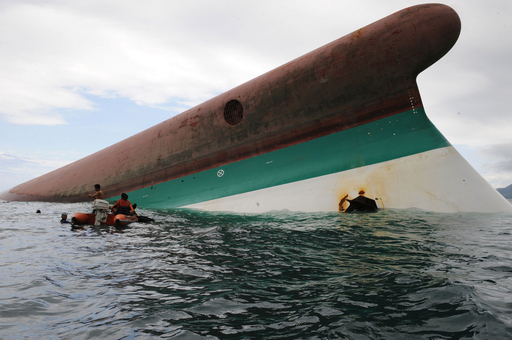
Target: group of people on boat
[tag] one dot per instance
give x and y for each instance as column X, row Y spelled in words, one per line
column 123, row 206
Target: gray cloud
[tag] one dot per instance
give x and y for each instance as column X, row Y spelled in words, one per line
column 15, row 170
column 11, row 162
column 499, row 155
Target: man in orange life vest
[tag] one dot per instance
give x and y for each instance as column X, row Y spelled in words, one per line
column 123, row 206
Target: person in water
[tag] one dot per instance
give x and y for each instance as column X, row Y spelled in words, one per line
column 98, row 194
column 64, row 218
column 141, row 218
column 123, row 206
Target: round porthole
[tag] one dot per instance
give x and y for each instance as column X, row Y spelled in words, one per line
column 233, row 112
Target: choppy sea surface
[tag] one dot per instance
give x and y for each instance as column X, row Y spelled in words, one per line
column 197, row 275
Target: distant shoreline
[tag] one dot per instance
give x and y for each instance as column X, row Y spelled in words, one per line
column 506, row 192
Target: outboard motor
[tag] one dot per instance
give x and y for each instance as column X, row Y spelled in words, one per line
column 100, row 208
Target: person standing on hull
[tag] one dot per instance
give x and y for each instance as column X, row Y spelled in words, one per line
column 123, row 206
column 99, row 206
column 98, row 195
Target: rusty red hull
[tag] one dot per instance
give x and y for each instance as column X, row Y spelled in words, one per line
column 360, row 78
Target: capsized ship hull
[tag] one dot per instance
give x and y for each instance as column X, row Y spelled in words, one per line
column 306, row 136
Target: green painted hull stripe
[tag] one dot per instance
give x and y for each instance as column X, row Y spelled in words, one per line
column 398, row 136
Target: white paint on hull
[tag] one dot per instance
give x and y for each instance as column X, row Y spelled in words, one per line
column 438, row 180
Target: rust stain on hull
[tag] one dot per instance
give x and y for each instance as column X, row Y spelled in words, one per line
column 342, row 206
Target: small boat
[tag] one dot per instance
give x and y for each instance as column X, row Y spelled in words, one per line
column 122, row 220
column 118, row 220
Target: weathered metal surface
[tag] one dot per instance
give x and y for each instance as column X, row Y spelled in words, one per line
column 364, row 76
column 437, row 180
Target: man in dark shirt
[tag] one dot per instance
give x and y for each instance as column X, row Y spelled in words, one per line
column 64, row 218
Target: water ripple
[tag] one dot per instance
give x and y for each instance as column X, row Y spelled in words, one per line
column 195, row 275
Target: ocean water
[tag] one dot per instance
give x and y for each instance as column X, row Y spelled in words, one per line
column 197, row 275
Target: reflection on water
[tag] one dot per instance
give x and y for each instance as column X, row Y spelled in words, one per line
column 195, row 275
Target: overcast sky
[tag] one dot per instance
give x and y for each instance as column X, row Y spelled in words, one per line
column 79, row 76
